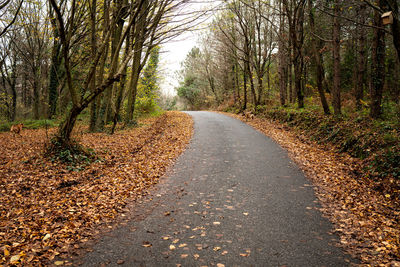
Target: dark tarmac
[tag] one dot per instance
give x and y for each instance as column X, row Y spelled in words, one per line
column 234, row 198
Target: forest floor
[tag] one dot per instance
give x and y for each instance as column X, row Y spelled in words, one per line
column 49, row 208
column 366, row 220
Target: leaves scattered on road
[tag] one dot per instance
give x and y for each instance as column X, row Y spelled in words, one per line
column 367, row 221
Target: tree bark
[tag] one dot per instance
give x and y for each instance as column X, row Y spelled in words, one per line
column 316, row 46
column 393, row 5
column 336, row 99
column 93, row 44
column 282, row 62
column 136, row 64
column 378, row 66
column 361, row 60
column 244, row 90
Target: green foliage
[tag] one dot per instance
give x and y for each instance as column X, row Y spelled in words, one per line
column 5, row 102
column 347, row 68
column 189, row 90
column 148, row 88
column 146, row 104
column 193, row 85
column 37, row 124
column 169, row 103
column 73, row 154
column 387, row 163
column 29, row 124
column 377, row 142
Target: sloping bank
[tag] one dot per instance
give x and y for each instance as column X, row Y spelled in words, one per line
column 48, row 208
column 364, row 211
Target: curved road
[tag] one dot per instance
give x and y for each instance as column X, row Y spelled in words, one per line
column 233, row 198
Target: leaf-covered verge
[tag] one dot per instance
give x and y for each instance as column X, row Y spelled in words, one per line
column 375, row 142
column 48, row 208
column 367, row 221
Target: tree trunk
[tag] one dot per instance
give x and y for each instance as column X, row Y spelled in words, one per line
column 361, row 59
column 298, row 72
column 93, row 44
column 316, row 46
column 235, row 97
column 136, row 64
column 244, row 90
column 393, row 6
column 121, row 88
column 54, row 81
column 378, row 66
column 14, row 103
column 237, row 82
column 65, row 131
column 36, row 95
column 282, row 66
column 291, row 87
column 336, row 100
column 253, row 91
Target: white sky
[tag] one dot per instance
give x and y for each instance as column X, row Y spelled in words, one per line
column 175, row 51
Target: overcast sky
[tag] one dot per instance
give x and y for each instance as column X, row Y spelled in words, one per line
column 175, row 51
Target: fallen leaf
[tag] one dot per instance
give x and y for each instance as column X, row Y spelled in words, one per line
column 146, row 244
column 58, row 263
column 172, row 247
column 6, row 252
column 14, row 259
column 46, row 237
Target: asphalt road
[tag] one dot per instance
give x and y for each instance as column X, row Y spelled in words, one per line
column 233, row 198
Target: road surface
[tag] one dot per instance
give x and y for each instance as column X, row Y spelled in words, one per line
column 234, row 198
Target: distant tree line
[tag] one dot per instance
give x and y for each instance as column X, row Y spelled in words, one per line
column 256, row 53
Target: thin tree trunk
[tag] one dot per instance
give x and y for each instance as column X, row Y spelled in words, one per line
column 235, row 97
column 36, row 95
column 237, row 82
column 253, row 91
column 378, row 66
column 93, row 43
column 244, row 90
column 336, row 100
column 121, row 89
column 318, row 61
column 361, row 59
column 282, row 65
column 136, row 64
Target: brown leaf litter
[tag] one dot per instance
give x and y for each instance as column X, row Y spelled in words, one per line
column 46, row 209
